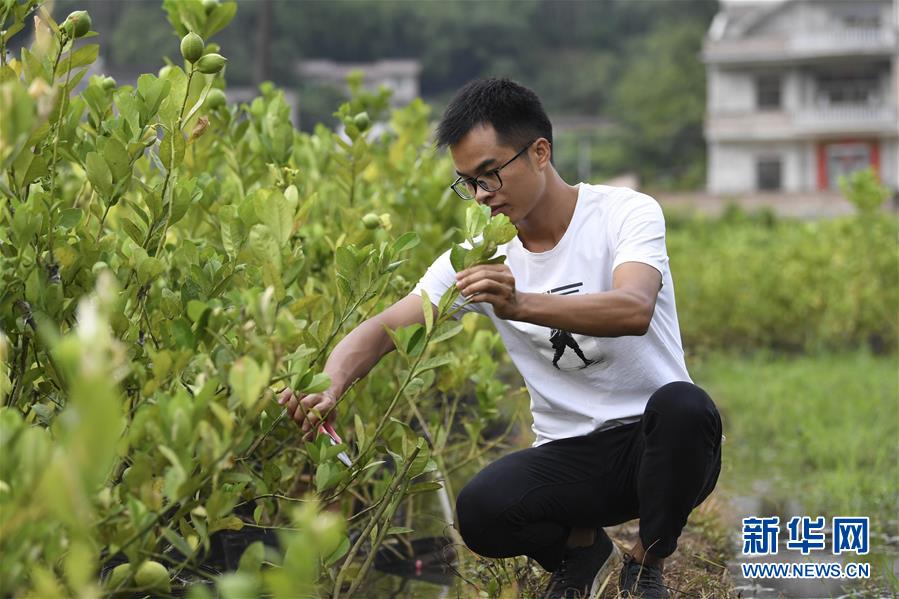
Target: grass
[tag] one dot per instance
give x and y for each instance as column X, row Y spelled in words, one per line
column 820, row 430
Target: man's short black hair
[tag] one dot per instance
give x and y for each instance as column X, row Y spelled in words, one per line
column 514, row 111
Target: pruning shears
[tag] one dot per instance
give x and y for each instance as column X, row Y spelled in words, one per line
column 335, row 440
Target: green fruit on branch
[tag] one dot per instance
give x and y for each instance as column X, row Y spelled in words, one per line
column 78, row 23
column 371, row 221
column 362, row 121
column 192, row 47
column 215, row 99
column 118, row 577
column 108, row 84
column 210, row 64
column 153, row 575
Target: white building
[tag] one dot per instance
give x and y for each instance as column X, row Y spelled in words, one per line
column 801, row 92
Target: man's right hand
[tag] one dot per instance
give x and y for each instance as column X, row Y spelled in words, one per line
column 307, row 411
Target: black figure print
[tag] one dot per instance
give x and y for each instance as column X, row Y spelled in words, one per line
column 562, row 340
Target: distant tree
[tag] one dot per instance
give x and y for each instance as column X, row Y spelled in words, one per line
column 659, row 102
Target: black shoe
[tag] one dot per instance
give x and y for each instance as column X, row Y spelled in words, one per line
column 641, row 580
column 583, row 570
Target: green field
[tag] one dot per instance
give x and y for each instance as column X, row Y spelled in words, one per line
column 820, row 433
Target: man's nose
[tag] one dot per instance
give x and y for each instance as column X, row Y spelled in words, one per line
column 482, row 196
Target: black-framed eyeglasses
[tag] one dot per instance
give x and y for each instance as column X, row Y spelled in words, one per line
column 467, row 187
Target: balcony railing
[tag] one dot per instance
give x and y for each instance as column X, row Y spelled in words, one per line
column 840, row 40
column 847, row 119
column 802, row 44
column 805, row 122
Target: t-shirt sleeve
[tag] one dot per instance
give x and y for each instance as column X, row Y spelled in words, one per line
column 439, row 278
column 639, row 233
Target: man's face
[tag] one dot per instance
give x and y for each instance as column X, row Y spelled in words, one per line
column 479, row 152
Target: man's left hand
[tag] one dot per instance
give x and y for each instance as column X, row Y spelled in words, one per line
column 491, row 283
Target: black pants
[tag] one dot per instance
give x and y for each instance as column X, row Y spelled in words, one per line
column 657, row 469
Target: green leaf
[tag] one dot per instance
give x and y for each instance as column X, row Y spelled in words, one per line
column 171, row 149
column 84, row 55
column 170, row 109
column 436, row 362
column 247, row 379
column 424, row 487
column 69, row 218
column 319, row 383
column 457, row 257
column 118, row 160
column 398, row 530
column 252, row 558
column 346, row 262
column 231, row 229
column 177, row 541
column 218, row 19
column 175, row 475
column 322, row 476
column 134, row 231
column 186, row 193
column 98, row 174
column 338, row 553
column 278, row 216
column 152, row 91
column 428, row 309
column 415, row 343
column 37, row 168
column 446, row 330
column 421, row 460
column 405, row 242
column 149, row 269
column 97, row 100
column 263, row 247
column 476, row 217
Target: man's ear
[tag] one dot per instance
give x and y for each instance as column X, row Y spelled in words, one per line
column 543, row 152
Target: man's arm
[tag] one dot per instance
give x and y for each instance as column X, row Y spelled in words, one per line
column 625, row 310
column 357, row 353
column 351, row 359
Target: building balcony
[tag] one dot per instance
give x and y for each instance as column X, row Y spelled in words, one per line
column 847, row 120
column 807, row 122
column 802, row 46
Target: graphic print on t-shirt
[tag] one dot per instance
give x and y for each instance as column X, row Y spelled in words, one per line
column 560, row 342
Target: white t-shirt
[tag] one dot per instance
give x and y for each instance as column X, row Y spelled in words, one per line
column 579, row 383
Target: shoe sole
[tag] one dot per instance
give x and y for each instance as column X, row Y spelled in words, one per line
column 603, row 577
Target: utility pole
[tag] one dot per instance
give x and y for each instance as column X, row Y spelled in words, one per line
column 262, row 64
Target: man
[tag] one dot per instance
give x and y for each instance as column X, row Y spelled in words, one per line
column 621, row 430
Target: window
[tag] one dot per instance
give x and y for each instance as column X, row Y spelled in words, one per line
column 857, row 16
column 767, row 92
column 845, row 159
column 767, row 174
column 848, row 88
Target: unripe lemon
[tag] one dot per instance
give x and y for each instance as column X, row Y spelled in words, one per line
column 362, row 121
column 215, row 99
column 81, row 23
column 211, row 64
column 192, row 47
column 108, row 84
column 153, row 575
column 371, row 221
column 118, row 577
